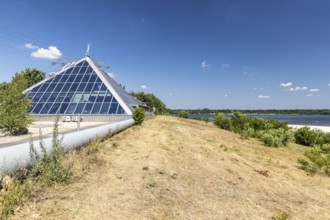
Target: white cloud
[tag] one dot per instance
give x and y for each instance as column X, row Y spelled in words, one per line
column 170, row 94
column 225, row 65
column 51, row 53
column 309, row 95
column 286, row 84
column 204, row 64
column 263, row 97
column 298, row 88
column 144, row 87
column 314, row 90
column 112, row 75
column 30, row 46
column 226, row 95
column 329, row 84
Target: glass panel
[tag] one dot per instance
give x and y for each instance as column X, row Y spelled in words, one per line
column 81, row 63
column 88, row 108
column 103, row 87
column 60, row 97
column 46, row 108
column 85, row 78
column 81, row 87
column 93, row 78
column 66, row 87
column 71, row 108
column 35, row 89
column 44, row 87
column 85, row 63
column 54, row 108
column 105, row 108
column 108, row 97
column 50, row 80
column 100, row 97
column 64, row 106
column 92, row 97
column 68, row 70
column 120, row 110
column 45, row 97
column 98, row 80
column 57, row 78
column 82, row 70
column 38, row 107
column 73, row 87
column 52, row 97
column 36, row 98
column 113, row 108
column 89, row 70
column 64, row 78
column 89, row 87
column 68, row 97
column 84, row 98
column 78, row 78
column 30, row 95
column 51, row 87
column 75, row 70
column 96, row 87
column 79, row 108
column 71, row 78
column 114, row 99
column 58, row 87
column 77, row 97
column 96, row 108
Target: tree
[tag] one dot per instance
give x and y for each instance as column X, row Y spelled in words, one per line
column 14, row 106
column 151, row 101
column 32, row 76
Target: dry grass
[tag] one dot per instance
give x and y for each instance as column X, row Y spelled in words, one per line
column 194, row 171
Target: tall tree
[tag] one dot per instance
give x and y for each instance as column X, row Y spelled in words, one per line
column 32, row 76
column 151, row 101
column 14, row 106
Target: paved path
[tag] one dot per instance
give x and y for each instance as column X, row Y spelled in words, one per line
column 27, row 140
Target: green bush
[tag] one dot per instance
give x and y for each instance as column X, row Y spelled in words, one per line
column 183, row 114
column 139, row 115
column 206, row 119
column 198, row 118
column 318, row 160
column 308, row 137
column 222, row 122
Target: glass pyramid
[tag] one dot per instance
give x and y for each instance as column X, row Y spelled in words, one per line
column 78, row 89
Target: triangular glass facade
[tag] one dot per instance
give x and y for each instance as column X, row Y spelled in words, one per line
column 77, row 90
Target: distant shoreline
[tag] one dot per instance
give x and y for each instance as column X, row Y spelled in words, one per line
column 322, row 128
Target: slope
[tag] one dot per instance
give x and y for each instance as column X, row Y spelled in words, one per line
column 172, row 168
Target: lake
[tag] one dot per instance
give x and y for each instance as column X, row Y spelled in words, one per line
column 314, row 120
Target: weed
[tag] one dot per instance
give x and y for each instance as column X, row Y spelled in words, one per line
column 13, row 197
column 174, row 176
column 152, row 183
column 161, row 172
column 93, row 146
column 281, row 216
column 145, row 168
column 51, row 168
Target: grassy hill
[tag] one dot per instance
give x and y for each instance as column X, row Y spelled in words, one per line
column 171, row 168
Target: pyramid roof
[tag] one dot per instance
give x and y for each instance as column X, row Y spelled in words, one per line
column 81, row 87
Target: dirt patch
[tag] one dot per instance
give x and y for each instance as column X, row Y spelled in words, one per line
column 172, row 168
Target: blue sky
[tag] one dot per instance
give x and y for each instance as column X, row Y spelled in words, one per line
column 242, row 54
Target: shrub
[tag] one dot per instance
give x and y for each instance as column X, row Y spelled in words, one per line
column 183, row 114
column 306, row 136
column 198, row 118
column 206, row 119
column 318, row 160
column 222, row 122
column 138, row 116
